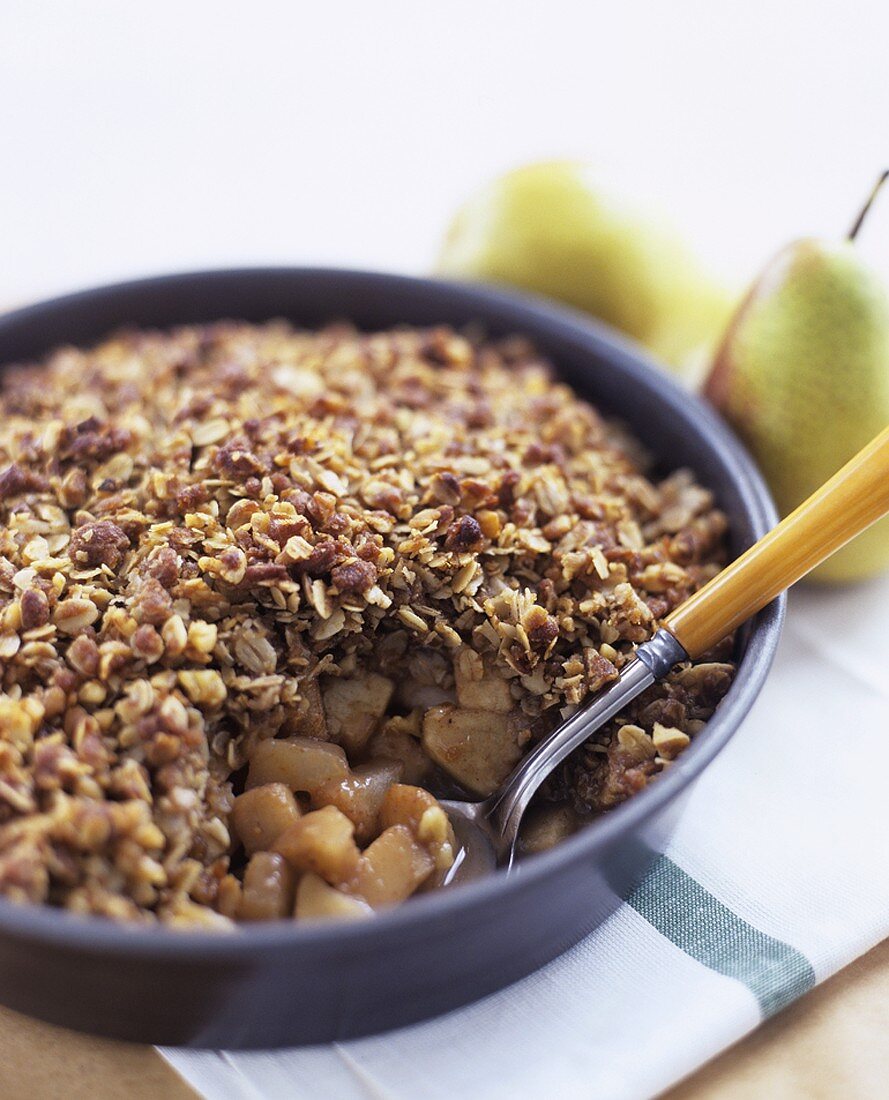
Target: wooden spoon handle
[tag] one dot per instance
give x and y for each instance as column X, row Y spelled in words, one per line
column 853, row 499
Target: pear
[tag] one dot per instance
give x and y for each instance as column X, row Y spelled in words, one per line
column 562, row 229
column 803, row 376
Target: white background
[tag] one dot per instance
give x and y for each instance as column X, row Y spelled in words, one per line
column 142, row 137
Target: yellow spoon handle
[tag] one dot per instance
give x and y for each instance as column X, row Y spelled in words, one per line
column 853, row 499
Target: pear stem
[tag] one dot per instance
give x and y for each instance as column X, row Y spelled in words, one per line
column 859, row 221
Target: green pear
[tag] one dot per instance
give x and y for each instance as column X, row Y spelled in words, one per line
column 803, row 376
column 563, row 230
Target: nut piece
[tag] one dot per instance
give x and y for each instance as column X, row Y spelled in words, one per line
column 260, row 815
column 204, row 687
column 636, row 743
column 476, row 747
column 316, row 900
column 392, row 868
column 355, row 706
column 323, row 841
column 35, row 608
column 268, row 888
column 669, row 741
column 300, row 763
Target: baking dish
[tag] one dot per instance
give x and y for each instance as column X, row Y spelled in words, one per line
column 274, row 984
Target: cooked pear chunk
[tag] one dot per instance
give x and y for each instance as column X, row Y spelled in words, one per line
column 421, row 813
column 361, row 795
column 300, row 763
column 392, row 868
column 261, row 814
column 322, row 842
column 479, row 748
column 354, row 707
column 478, row 688
column 268, row 888
column 317, row 900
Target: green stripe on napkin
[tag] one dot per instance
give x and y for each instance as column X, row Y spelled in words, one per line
column 683, row 911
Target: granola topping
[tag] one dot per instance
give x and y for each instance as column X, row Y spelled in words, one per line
column 228, row 550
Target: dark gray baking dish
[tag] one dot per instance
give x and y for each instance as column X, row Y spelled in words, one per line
column 280, row 983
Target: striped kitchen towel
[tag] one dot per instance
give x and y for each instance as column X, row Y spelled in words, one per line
column 777, row 876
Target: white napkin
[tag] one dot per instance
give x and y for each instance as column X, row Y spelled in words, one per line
column 777, row 876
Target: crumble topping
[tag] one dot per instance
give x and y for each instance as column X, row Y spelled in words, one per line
column 415, row 547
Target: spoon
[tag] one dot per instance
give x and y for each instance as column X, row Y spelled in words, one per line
column 853, row 499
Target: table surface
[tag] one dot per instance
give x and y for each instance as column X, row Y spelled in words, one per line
column 830, row 1043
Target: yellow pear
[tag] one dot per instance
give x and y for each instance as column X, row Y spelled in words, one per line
column 562, row 229
column 803, row 376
